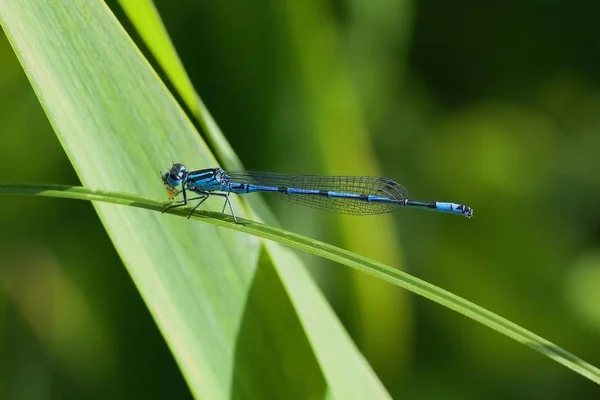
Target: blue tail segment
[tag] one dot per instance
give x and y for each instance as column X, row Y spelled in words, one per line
column 451, row 208
column 356, row 195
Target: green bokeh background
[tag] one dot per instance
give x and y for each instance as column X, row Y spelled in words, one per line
column 493, row 105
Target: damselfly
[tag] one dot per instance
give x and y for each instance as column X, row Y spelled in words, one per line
column 356, row 195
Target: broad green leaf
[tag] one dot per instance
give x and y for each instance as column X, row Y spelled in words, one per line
column 337, row 102
column 145, row 18
column 236, row 323
column 147, row 21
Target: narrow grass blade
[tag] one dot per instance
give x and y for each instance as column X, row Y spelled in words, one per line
column 336, row 254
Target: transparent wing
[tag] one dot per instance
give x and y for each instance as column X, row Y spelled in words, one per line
column 361, row 185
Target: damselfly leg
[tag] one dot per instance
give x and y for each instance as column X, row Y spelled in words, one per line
column 202, row 197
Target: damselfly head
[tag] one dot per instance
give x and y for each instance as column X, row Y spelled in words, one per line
column 174, row 177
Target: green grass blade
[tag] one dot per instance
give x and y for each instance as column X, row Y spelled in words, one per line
column 223, row 309
column 336, row 254
column 145, row 18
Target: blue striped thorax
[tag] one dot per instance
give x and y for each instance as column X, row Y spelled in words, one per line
column 209, row 179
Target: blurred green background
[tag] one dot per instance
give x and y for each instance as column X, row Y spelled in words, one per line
column 493, row 105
